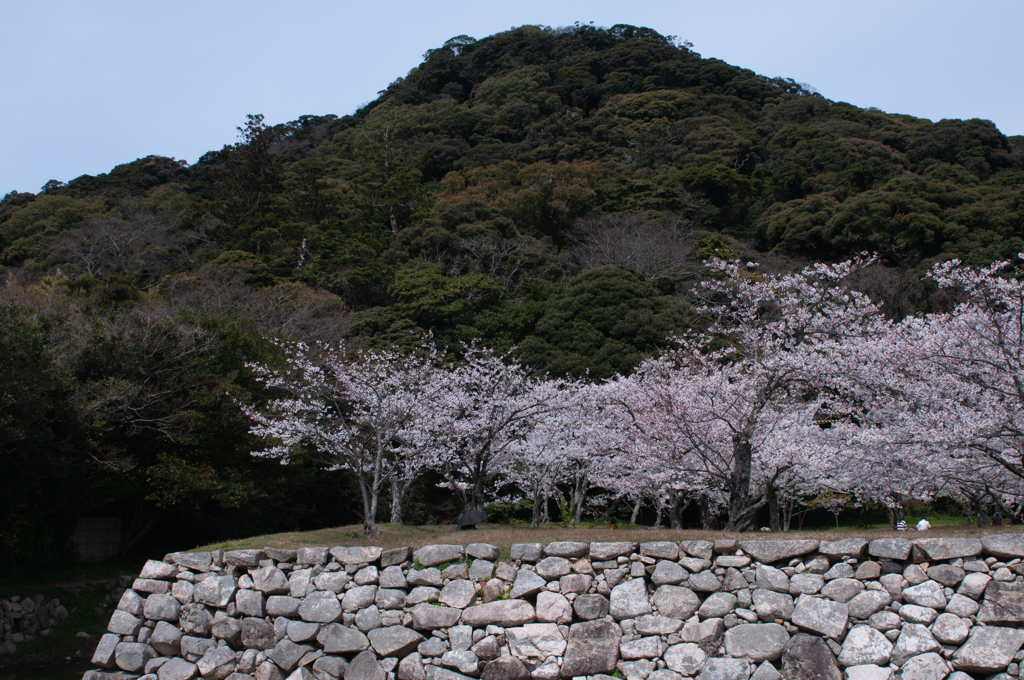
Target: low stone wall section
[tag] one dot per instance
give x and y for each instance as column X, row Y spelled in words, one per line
column 924, row 609
column 23, row 618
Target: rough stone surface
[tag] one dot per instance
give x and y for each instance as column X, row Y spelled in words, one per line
column 177, row 669
column 629, row 600
column 806, row 657
column 865, row 645
column 948, row 548
column 668, row 573
column 928, row 666
column 775, row 551
column 717, row 605
column 927, row 594
column 756, row 642
column 724, row 669
column 431, row 617
column 867, row 603
column 566, row 549
column 820, row 616
column 257, row 634
column 890, row 548
column 1004, row 546
column 842, row 589
column 989, row 649
column 216, row 591
column 687, row 658
column 592, row 648
column 772, row 606
column 950, row 629
column 358, row 555
column 505, row 668
column 527, row 552
column 771, row 578
column 846, row 547
column 914, row 639
column 1003, row 603
column 676, row 602
column 536, row 640
column 396, row 641
column 365, row 667
column 594, row 606
column 504, row 613
column 458, row 594
column 320, row 607
column 527, row 583
column 602, row 552
column 338, row 639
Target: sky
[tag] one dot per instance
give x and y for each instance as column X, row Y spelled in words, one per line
column 91, row 84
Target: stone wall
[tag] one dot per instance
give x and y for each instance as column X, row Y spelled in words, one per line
column 25, row 617
column 923, row 609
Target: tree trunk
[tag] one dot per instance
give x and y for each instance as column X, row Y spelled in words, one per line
column 398, row 491
column 636, row 510
column 739, row 484
column 609, row 512
column 676, row 507
column 774, row 522
column 659, row 513
column 539, row 503
column 369, row 507
column 579, row 494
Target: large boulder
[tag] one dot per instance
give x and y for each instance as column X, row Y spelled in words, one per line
column 675, row 602
column 357, row 555
column 914, row 639
column 820, row 616
column 433, row 555
column 504, row 613
column 686, row 658
column 1003, row 546
column 806, row 657
column 320, row 607
column 890, row 548
column 432, row 617
column 936, row 549
column 767, row 552
column 756, row 642
column 592, row 648
column 845, row 547
column 1003, row 603
column 865, row 645
column 338, row 639
column 566, row 549
column 602, row 552
column 989, row 649
column 396, row 641
column 536, row 640
column 629, row 600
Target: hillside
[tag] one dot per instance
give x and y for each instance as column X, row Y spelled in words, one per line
column 550, row 189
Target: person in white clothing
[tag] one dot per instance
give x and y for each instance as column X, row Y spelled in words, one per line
column 924, row 525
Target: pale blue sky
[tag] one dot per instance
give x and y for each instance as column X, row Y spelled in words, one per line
column 92, row 84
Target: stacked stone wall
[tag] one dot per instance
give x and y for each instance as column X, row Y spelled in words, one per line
column 928, row 609
column 23, row 618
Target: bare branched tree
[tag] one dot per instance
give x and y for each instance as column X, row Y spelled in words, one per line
column 655, row 248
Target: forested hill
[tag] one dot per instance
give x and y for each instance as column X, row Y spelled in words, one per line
column 552, row 189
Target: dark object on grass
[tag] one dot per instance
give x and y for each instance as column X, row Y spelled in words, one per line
column 469, row 518
column 997, row 520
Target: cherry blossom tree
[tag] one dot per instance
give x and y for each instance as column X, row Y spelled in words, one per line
column 711, row 408
column 363, row 412
column 485, row 408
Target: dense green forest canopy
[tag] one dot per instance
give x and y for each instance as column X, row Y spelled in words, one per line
column 555, row 190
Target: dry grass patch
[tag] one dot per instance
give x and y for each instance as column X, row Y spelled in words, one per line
column 503, row 536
